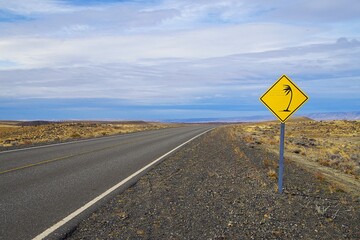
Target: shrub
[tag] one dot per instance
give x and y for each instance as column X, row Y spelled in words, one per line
column 75, row 135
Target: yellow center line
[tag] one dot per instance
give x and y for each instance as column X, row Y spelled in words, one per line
column 57, row 159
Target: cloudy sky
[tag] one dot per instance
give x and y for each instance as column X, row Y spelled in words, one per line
column 174, row 59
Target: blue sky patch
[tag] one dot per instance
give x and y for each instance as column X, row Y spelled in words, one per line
column 7, row 64
column 101, row 2
column 8, row 16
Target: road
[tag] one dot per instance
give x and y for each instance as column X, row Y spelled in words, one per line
column 41, row 186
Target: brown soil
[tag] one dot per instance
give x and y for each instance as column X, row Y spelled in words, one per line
column 219, row 187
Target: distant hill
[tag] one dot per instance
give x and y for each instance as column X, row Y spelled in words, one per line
column 41, row 122
column 298, row 119
column 223, row 120
column 34, row 123
column 269, row 117
column 335, row 116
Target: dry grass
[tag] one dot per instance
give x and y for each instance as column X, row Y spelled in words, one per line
column 7, row 126
column 272, row 174
column 319, row 176
column 15, row 135
column 328, row 147
column 334, row 144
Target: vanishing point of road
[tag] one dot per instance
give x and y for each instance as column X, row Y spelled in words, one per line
column 41, row 186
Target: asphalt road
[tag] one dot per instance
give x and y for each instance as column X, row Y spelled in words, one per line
column 41, row 186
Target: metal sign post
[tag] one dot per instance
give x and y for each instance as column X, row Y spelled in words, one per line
column 281, row 162
column 283, row 98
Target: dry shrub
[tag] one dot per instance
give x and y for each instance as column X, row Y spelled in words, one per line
column 334, row 188
column 270, row 163
column 232, row 134
column 75, row 135
column 239, row 152
column 248, row 139
column 272, row 174
column 324, row 162
column 267, row 162
column 320, row 176
column 276, row 188
column 297, row 151
column 273, row 142
column 27, row 142
column 348, row 167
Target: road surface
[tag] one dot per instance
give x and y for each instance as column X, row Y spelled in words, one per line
column 41, row 186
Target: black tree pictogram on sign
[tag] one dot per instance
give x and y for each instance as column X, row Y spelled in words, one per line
column 287, row 89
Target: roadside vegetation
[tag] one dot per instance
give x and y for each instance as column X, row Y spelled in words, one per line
column 17, row 134
column 330, row 149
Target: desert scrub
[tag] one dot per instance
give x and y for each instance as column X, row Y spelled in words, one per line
column 272, row 174
column 334, row 144
column 75, row 135
column 62, row 131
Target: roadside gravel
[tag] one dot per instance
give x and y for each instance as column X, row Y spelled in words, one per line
column 219, row 187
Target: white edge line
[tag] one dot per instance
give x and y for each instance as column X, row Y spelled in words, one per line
column 62, row 222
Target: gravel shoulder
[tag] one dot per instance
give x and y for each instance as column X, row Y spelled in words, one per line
column 217, row 187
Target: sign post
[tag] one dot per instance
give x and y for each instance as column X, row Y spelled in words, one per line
column 281, row 161
column 283, row 98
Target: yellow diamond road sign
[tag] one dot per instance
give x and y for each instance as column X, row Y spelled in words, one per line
column 283, row 98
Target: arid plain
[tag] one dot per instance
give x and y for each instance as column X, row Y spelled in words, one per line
column 15, row 134
column 224, row 184
column 329, row 149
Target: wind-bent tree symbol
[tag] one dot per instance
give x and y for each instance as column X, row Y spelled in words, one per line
column 287, row 89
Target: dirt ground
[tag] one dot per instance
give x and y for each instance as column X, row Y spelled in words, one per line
column 220, row 187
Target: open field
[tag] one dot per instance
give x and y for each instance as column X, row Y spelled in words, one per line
column 330, row 149
column 17, row 134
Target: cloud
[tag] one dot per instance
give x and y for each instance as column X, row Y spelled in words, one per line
column 205, row 43
column 53, row 18
column 206, row 52
column 186, row 80
column 29, row 7
column 319, row 11
column 99, row 20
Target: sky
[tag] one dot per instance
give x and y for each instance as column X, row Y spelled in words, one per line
column 166, row 59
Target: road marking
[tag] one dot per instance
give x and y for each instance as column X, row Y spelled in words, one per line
column 57, row 159
column 77, row 141
column 58, row 144
column 65, row 220
column 64, row 157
